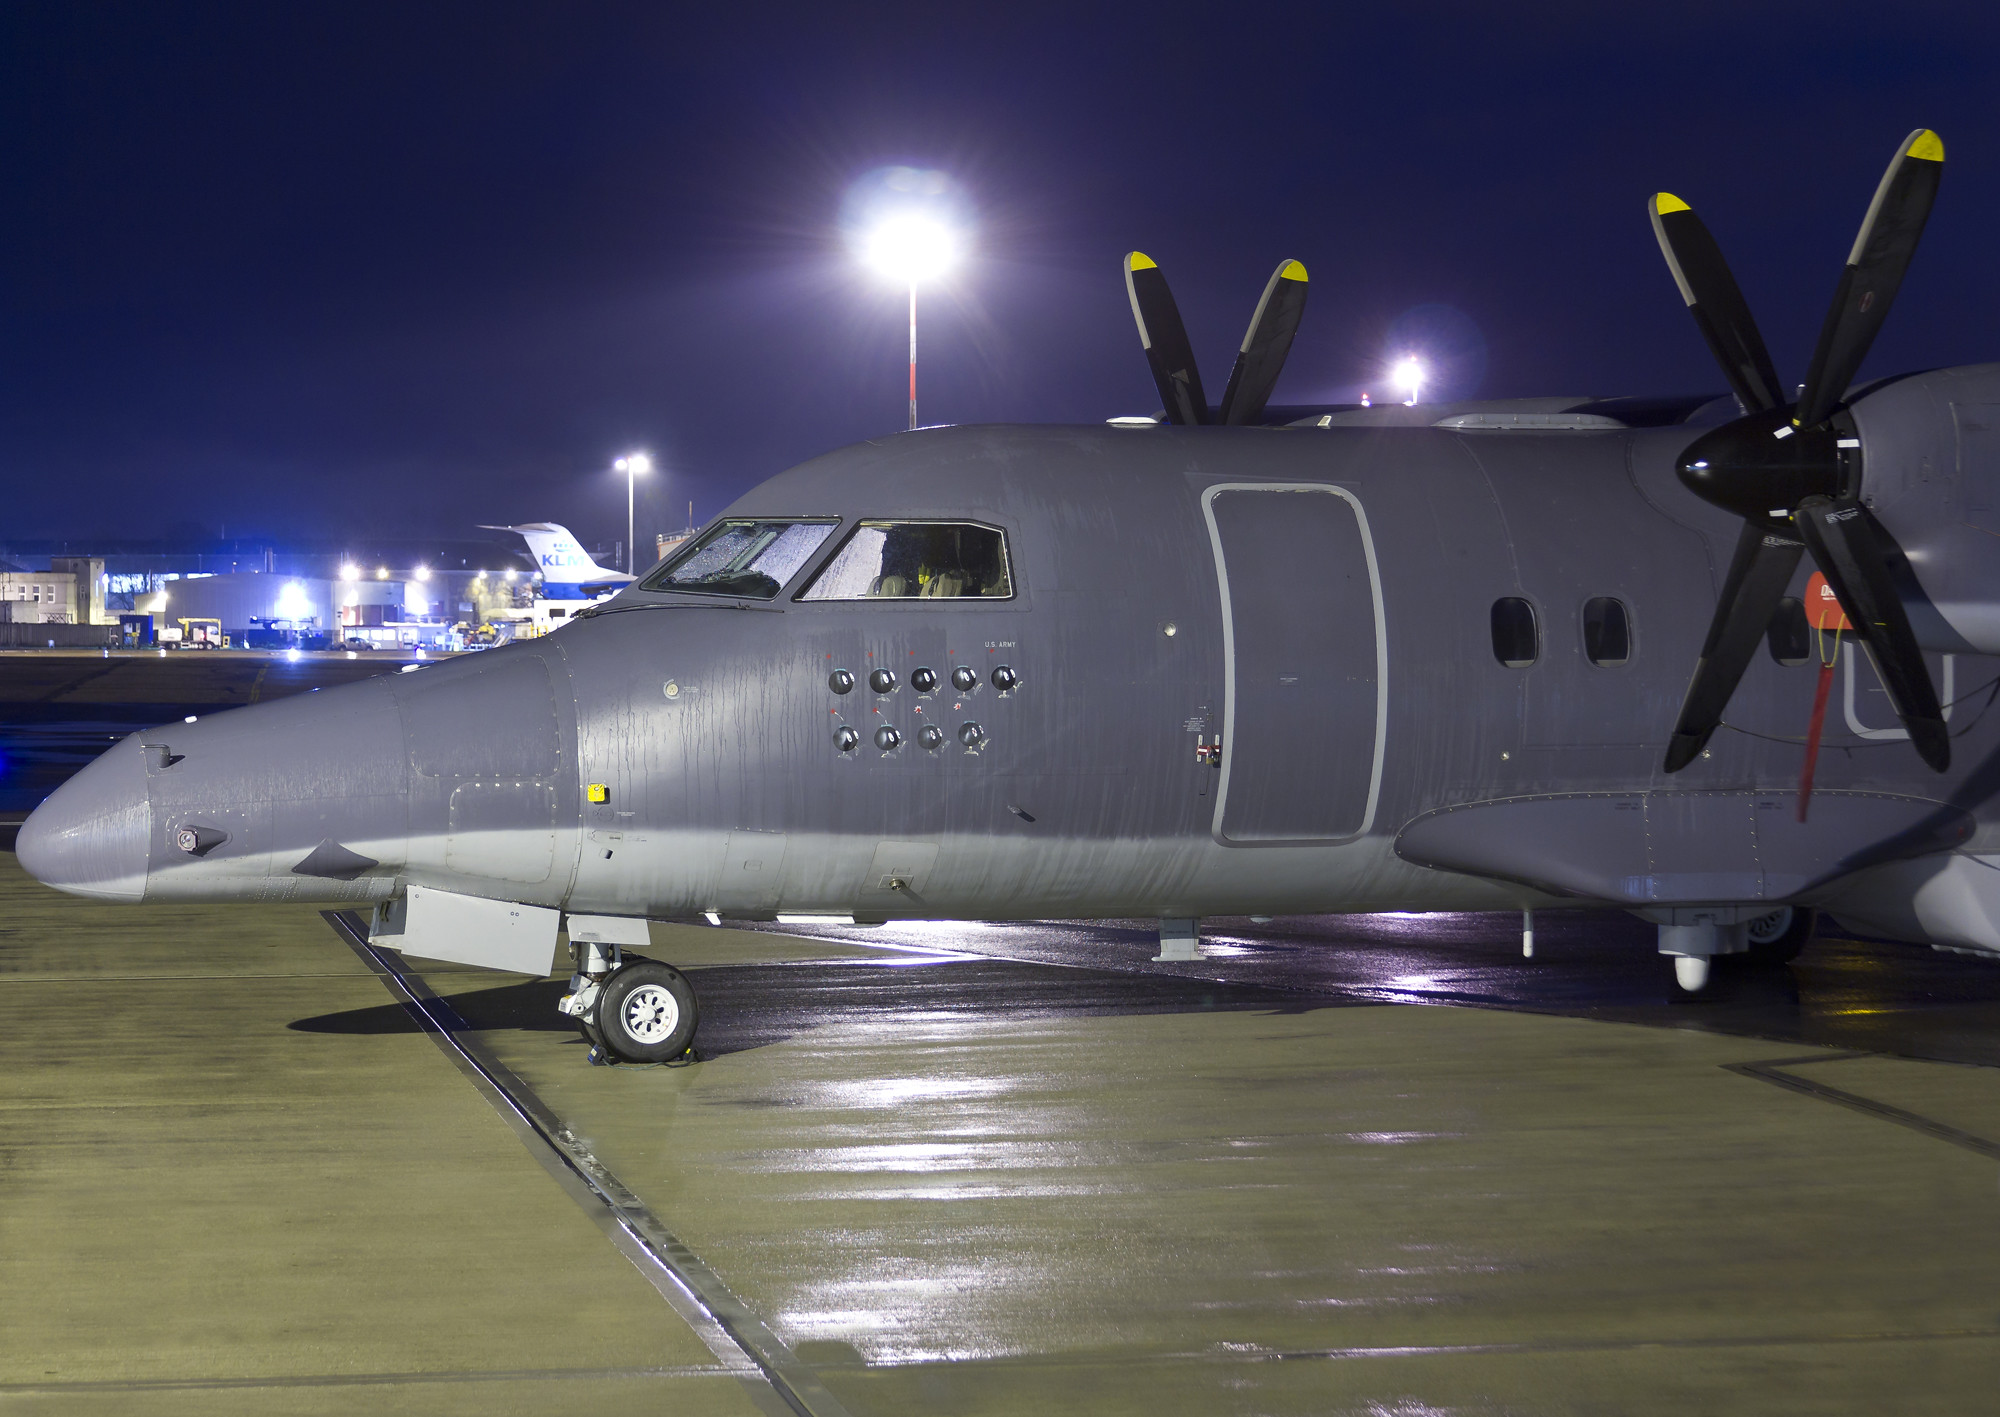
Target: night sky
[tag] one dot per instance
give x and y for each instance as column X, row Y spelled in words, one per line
column 312, row 271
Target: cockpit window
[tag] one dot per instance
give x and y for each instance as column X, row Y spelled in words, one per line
column 886, row 560
column 748, row 558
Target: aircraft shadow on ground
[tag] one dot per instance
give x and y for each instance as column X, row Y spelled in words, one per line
column 754, row 1006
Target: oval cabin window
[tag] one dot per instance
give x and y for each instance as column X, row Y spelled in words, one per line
column 1607, row 631
column 1790, row 637
column 1515, row 643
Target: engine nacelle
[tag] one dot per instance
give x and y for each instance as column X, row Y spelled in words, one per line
column 1930, row 446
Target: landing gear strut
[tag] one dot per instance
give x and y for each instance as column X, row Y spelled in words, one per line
column 631, row 1009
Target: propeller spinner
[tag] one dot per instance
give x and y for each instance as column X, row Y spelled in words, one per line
column 1258, row 360
column 1790, row 471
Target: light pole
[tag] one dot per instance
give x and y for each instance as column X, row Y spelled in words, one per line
column 911, row 248
column 632, row 465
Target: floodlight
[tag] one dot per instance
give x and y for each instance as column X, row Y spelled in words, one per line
column 1409, row 374
column 350, row 572
column 632, row 465
column 423, row 573
column 910, row 248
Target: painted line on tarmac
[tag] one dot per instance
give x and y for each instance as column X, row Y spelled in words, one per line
column 732, row 1331
column 311, row 1380
column 1770, row 1071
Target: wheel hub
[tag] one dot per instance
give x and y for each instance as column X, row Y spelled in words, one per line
column 650, row 1014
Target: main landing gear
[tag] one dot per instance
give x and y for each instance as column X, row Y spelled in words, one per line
column 631, row 1009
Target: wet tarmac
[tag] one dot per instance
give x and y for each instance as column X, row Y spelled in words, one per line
column 1368, row 1165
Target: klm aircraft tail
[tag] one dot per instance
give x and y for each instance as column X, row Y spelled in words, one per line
column 568, row 572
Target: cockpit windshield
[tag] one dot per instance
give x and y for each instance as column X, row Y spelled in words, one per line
column 748, row 558
column 905, row 560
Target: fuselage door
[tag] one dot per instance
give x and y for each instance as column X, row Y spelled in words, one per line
column 1305, row 663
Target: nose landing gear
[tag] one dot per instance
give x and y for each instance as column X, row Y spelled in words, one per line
column 630, row 1009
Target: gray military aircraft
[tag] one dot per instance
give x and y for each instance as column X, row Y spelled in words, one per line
column 1227, row 661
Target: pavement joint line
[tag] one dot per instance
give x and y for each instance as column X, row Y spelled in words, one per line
column 771, row 1373
column 1770, row 1070
column 165, row 978
column 312, row 1380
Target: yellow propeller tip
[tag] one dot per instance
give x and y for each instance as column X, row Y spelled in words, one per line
column 1291, row 270
column 1140, row 261
column 1927, row 145
column 1665, row 202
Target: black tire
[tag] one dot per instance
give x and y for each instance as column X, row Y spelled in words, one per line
column 1778, row 937
column 646, row 1013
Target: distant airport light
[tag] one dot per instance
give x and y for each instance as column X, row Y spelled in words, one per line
column 1409, row 374
column 350, row 572
column 632, row 465
column 293, row 602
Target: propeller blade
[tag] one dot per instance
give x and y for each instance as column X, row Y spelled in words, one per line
column 1758, row 575
column 1166, row 341
column 1840, row 534
column 1265, row 345
column 1875, row 268
column 1716, row 302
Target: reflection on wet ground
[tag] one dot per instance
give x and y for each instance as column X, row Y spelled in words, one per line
column 1844, row 991
column 1008, row 1169
column 1024, row 1168
column 756, row 1005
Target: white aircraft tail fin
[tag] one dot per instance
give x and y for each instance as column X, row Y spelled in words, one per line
column 565, row 566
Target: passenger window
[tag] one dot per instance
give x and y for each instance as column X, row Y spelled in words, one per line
column 1790, row 637
column 1515, row 643
column 748, row 558
column 1607, row 633
column 886, row 560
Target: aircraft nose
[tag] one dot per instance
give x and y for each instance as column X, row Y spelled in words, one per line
column 91, row 836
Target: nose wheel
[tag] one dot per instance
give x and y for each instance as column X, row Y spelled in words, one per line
column 631, row 1010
